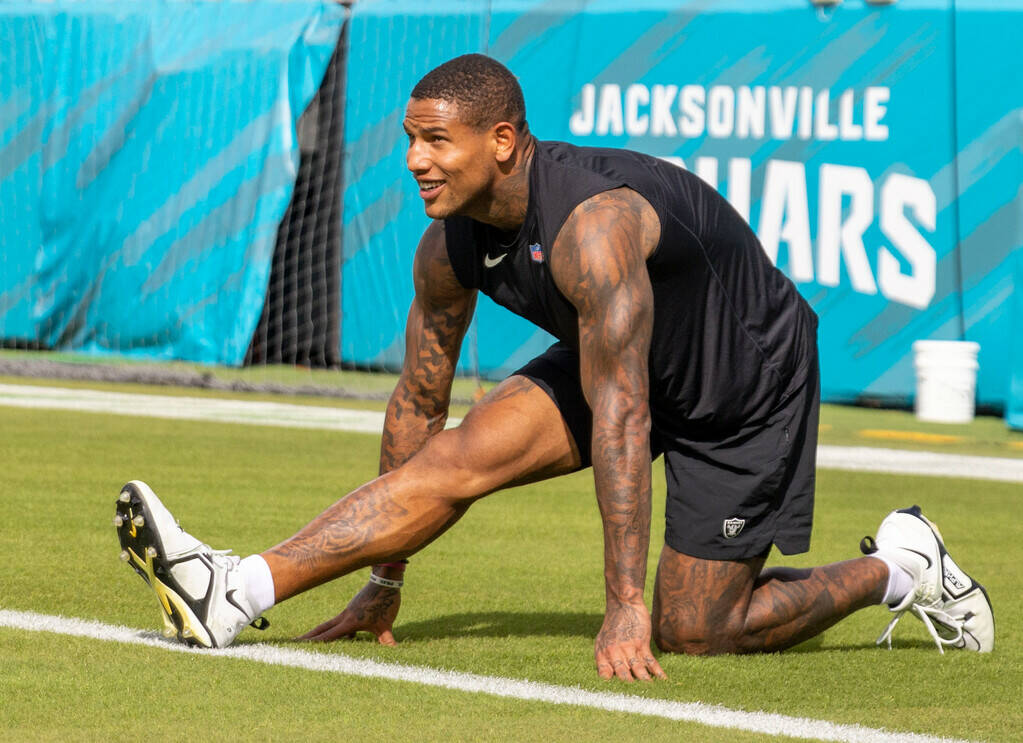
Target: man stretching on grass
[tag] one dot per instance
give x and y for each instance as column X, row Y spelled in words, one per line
column 676, row 337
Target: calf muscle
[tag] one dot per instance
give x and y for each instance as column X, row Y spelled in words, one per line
column 706, row 607
column 790, row 605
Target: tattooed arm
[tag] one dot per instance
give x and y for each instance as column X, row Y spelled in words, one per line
column 418, row 409
column 437, row 322
column 599, row 264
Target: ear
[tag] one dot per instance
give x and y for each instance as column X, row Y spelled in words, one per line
column 505, row 138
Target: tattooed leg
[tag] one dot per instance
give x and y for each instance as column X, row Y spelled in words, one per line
column 513, row 435
column 705, row 607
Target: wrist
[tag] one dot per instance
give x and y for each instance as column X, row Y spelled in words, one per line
column 385, row 582
column 389, row 574
column 625, row 596
column 394, row 569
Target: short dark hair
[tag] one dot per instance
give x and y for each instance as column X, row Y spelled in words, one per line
column 485, row 91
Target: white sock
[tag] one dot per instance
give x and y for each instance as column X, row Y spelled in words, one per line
column 259, row 583
column 900, row 582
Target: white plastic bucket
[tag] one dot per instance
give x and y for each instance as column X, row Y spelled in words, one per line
column 946, row 380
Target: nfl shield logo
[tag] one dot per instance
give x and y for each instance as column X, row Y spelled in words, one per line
column 536, row 252
column 732, row 527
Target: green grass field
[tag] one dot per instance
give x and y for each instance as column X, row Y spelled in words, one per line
column 515, row 590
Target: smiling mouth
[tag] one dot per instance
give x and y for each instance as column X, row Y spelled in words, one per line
column 427, row 188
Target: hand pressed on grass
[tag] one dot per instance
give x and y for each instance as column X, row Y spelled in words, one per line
column 622, row 647
column 373, row 609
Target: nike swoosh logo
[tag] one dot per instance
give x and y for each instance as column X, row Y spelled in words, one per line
column 921, row 555
column 491, row 262
column 230, row 599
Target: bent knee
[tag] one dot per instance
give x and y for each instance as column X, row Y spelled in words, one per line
column 689, row 639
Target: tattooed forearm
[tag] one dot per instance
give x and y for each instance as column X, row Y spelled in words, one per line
column 418, row 408
column 437, row 322
column 599, row 262
column 621, row 468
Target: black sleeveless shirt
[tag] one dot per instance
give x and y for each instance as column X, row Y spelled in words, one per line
column 732, row 338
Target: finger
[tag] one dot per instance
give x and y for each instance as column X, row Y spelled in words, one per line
column 318, row 629
column 604, row 668
column 622, row 669
column 655, row 667
column 338, row 627
column 329, row 636
column 387, row 638
column 342, row 629
column 638, row 669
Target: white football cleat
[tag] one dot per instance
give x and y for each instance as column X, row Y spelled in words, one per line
column 954, row 607
column 201, row 592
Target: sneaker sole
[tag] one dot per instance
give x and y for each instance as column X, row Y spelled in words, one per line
column 142, row 549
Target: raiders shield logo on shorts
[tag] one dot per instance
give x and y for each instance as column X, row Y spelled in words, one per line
column 732, row 527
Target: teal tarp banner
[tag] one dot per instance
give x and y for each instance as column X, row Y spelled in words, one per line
column 1015, row 407
column 875, row 149
column 147, row 154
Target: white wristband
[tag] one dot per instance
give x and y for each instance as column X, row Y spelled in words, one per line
column 385, row 582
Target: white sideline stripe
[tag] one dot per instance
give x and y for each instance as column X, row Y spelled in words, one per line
column 859, row 458
column 219, row 410
column 901, row 462
column 704, row 714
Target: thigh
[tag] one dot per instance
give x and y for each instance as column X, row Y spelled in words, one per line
column 556, row 372
column 514, row 435
column 735, row 497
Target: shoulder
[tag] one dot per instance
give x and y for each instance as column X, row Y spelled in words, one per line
column 619, row 200
column 434, row 277
column 610, row 218
column 432, row 246
column 602, row 250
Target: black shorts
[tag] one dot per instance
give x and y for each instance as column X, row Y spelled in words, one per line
column 729, row 499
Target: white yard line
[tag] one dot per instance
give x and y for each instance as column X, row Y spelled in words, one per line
column 704, row 714
column 192, row 408
column 866, row 459
column 901, row 462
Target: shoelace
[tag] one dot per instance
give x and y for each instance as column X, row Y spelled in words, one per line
column 230, row 564
column 928, row 615
column 952, row 625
